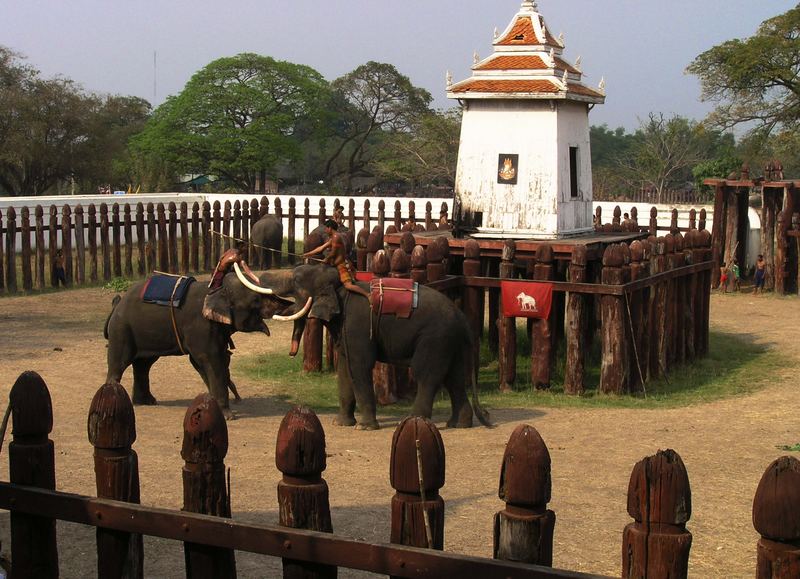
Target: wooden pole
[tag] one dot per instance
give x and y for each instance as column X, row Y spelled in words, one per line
column 660, row 501
column 186, row 239
column 577, row 326
column 172, row 237
column 141, row 245
column 117, row 240
column 302, row 492
column 507, row 327
column 205, row 444
column 542, row 351
column 104, row 242
column 112, row 432
column 614, row 365
column 25, row 226
column 718, row 230
column 11, row 250
column 31, row 462
column 92, row 238
column 471, row 301
column 66, row 242
column 40, row 249
column 523, row 531
column 128, row 228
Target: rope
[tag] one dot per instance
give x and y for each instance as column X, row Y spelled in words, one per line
column 278, row 251
column 172, row 314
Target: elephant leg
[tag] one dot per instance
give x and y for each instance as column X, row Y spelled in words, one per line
column 120, row 355
column 141, row 381
column 347, row 400
column 429, row 371
column 218, row 378
column 266, row 259
column 455, row 382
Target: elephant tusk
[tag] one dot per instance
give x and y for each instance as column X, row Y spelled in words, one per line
column 248, row 284
column 297, row 315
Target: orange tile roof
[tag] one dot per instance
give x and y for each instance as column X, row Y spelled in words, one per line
column 506, row 86
column 521, row 33
column 583, row 90
column 562, row 64
column 514, row 62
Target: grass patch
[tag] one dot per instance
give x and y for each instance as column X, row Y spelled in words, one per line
column 790, row 447
column 733, row 367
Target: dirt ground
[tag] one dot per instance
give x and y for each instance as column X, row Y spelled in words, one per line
column 726, row 445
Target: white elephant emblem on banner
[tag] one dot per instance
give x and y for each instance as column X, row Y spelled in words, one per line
column 526, row 303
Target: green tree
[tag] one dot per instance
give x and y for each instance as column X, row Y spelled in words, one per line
column 756, row 80
column 239, row 118
column 426, row 154
column 370, row 102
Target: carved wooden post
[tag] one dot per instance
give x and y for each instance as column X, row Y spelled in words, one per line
column 657, row 306
column 216, row 240
column 52, row 247
column 769, row 205
column 398, row 221
column 654, row 221
column 206, row 233
column 25, row 226
column 418, row 264
column 152, row 239
column 205, row 444
column 523, row 531
column 361, row 250
column 644, row 333
column 195, row 252
column 381, row 216
column 507, row 327
column 634, row 219
column 263, row 208
column 637, row 369
column 614, row 365
column 374, row 245
column 435, row 266
column 31, row 461
column 127, row 225
column 163, row 242
column 291, row 244
column 172, row 237
column 673, row 222
column 66, row 242
column 185, row 238
column 776, row 517
column 660, row 501
column 598, row 218
column 471, row 302
column 429, row 224
column 303, row 493
column 11, row 250
column 40, row 249
column 104, row 244
column 92, row 238
column 701, row 224
column 314, row 330
column 577, row 323
column 112, row 432
column 366, row 216
column 116, row 240
column 140, row 240
column 542, row 353
column 678, row 353
column 416, row 473
column 692, row 218
column 351, row 214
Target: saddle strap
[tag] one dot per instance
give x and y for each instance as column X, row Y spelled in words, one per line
column 172, row 314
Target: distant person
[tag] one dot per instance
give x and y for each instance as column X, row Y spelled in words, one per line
column 337, row 257
column 723, row 277
column 59, row 275
column 761, row 272
column 237, row 254
column 338, row 215
column 736, row 272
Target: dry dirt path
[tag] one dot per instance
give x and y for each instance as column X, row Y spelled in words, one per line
column 726, row 445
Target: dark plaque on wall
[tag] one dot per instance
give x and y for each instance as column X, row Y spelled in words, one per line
column 507, row 169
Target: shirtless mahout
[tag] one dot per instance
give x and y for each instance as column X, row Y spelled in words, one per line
column 337, row 257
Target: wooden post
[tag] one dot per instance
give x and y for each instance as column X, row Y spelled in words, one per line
column 172, row 237
column 654, row 221
column 435, row 265
column 302, row 492
column 471, row 301
column 718, row 230
column 128, row 228
column 673, row 222
column 577, row 324
column 276, row 258
column 225, row 227
column 660, row 501
column 429, row 224
column 104, row 245
column 382, row 216
column 416, row 473
column 31, row 462
column 40, row 249
column 366, row 215
column 523, row 531
column 769, row 203
column 186, row 239
column 542, row 351
column 598, row 218
column 291, row 228
column 692, row 218
column 636, row 304
column 398, row 220
column 216, row 224
column 92, row 237
column 25, row 226
column 151, row 238
column 614, row 365
column 731, row 231
column 11, row 250
column 418, row 264
column 361, row 249
column 80, row 246
column 141, row 244
column 776, row 517
column 206, row 234
column 493, row 270
column 679, row 303
column 701, row 223
column 53, row 246
column 66, row 242
column 117, row 240
column 374, row 245
column 112, row 432
column 312, row 345
column 195, row 257
column 507, row 327
column 690, row 295
column 705, row 243
column 205, row 444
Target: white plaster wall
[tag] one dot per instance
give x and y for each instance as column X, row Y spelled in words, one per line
column 526, row 128
column 573, row 131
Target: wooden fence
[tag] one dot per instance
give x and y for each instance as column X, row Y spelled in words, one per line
column 100, row 243
column 655, row 544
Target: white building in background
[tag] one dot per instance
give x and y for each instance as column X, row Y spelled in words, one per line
column 524, row 164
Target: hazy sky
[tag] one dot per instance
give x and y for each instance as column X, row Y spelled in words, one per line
column 641, row 47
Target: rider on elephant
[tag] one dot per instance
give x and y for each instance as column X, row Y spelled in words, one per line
column 337, row 257
column 235, row 254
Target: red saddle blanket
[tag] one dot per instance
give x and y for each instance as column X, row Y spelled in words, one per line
column 394, row 296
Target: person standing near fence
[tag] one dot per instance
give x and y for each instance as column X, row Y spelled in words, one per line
column 59, row 276
column 736, row 272
column 761, row 272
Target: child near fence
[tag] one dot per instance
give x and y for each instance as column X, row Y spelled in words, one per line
column 59, row 276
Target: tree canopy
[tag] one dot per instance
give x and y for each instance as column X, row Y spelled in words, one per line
column 239, row 118
column 756, row 81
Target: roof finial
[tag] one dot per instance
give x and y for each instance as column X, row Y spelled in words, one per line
column 448, row 79
column 578, row 62
column 496, row 33
column 529, row 5
column 602, row 85
column 565, row 77
column 561, row 38
column 475, row 57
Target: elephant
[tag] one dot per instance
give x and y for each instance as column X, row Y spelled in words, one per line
column 139, row 333
column 435, row 341
column 267, row 236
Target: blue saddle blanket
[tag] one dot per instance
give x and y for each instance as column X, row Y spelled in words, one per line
column 166, row 289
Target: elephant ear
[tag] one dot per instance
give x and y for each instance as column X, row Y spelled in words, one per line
column 217, row 307
column 320, row 282
column 325, row 305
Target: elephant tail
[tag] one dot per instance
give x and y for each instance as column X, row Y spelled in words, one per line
column 114, row 303
column 480, row 412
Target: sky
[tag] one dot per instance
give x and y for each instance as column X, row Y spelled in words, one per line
column 150, row 48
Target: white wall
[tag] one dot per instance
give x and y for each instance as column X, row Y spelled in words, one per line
column 573, row 131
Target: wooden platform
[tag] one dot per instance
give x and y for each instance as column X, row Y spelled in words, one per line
column 595, row 243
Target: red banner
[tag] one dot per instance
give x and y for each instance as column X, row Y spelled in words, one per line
column 526, row 299
column 364, row 275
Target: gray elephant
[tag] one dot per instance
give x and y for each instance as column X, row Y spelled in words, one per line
column 139, row 333
column 435, row 341
column 267, row 236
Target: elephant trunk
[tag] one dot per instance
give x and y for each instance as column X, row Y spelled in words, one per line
column 297, row 334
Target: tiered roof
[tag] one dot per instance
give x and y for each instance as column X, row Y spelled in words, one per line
column 526, row 63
